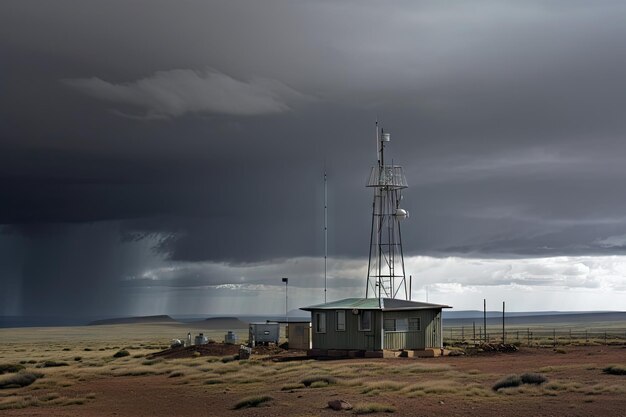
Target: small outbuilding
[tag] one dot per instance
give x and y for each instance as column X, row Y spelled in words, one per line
column 375, row 324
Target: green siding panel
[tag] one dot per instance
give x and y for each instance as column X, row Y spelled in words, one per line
column 351, row 338
column 428, row 336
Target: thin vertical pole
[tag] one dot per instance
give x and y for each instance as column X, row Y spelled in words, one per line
column 503, row 332
column 286, row 281
column 474, row 332
column 410, row 286
column 485, row 317
column 325, row 235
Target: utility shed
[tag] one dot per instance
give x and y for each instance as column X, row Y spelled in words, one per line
column 376, row 324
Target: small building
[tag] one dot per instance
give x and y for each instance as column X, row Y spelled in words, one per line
column 376, row 324
column 299, row 335
column 386, row 319
column 263, row 332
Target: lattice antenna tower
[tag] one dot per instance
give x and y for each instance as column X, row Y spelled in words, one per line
column 385, row 272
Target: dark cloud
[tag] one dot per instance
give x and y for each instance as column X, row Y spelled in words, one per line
column 174, row 93
column 507, row 117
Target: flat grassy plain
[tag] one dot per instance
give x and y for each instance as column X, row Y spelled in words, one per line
column 76, row 372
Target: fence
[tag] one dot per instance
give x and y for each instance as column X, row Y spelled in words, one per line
column 529, row 336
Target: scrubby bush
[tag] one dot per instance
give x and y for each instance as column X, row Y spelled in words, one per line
column 213, row 381
column 509, row 381
column 319, row 384
column 615, row 370
column 20, row 379
column 289, row 387
column 516, row 381
column 329, row 380
column 121, row 354
column 532, row 378
column 253, row 401
column 52, row 364
column 9, row 368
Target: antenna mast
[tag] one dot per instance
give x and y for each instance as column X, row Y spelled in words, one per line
column 325, row 233
column 385, row 273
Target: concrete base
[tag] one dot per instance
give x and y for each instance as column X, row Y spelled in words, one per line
column 374, row 354
column 356, row 353
column 316, row 352
column 416, row 353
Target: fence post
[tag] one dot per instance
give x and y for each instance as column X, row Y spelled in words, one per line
column 462, row 334
column 605, row 339
column 570, row 336
column 586, row 336
column 474, row 331
column 528, row 334
column 554, row 336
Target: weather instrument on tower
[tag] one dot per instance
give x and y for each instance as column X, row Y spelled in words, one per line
column 385, row 273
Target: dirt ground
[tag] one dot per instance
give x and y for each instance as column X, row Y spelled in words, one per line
column 446, row 386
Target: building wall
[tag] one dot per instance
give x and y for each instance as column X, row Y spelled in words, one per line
column 299, row 335
column 429, row 335
column 352, row 338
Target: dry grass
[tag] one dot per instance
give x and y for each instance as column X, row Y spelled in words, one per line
column 376, row 387
column 7, row 368
column 326, row 379
column 19, row 380
column 252, row 401
column 435, row 387
column 369, row 408
column 383, row 381
column 49, row 399
column 289, row 387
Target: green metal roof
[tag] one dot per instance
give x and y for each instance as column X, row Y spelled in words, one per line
column 386, row 304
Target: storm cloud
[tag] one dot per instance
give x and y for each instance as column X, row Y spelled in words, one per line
column 176, row 92
column 190, row 141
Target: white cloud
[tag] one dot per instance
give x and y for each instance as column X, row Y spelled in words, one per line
column 173, row 93
column 566, row 283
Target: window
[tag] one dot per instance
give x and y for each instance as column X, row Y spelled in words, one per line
column 320, row 322
column 389, row 325
column 341, row 320
column 396, row 325
column 402, row 325
column 414, row 324
column 365, row 321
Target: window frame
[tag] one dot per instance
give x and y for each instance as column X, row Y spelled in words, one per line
column 419, row 324
column 320, row 318
column 361, row 315
column 337, row 314
column 389, row 328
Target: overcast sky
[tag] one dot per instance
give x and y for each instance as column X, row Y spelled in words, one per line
column 166, row 157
